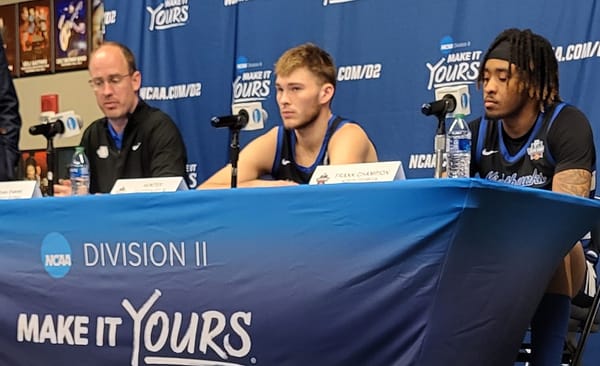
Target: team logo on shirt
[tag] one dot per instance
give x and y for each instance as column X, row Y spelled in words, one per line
column 536, row 150
column 102, row 151
column 486, row 152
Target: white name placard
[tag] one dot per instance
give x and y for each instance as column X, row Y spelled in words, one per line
column 145, row 185
column 384, row 171
column 19, row 189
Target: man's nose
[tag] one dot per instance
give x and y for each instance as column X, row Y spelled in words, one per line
column 490, row 87
column 283, row 97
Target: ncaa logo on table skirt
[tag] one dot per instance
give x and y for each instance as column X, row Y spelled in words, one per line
column 56, row 255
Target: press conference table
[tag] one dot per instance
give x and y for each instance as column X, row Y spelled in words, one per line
column 415, row 272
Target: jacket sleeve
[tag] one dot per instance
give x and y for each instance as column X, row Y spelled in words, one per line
column 10, row 121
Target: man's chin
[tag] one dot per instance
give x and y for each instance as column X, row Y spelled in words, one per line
column 113, row 114
column 291, row 123
column 492, row 115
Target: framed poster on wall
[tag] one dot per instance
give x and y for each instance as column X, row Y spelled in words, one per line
column 35, row 40
column 97, row 33
column 72, row 34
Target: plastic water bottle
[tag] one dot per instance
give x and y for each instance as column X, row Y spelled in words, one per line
column 458, row 148
column 79, row 172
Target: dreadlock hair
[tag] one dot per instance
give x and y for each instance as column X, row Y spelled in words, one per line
column 536, row 64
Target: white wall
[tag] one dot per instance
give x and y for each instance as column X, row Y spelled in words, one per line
column 74, row 94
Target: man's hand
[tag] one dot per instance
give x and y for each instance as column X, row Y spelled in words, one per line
column 63, row 188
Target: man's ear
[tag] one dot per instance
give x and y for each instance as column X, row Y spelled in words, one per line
column 326, row 93
column 136, row 79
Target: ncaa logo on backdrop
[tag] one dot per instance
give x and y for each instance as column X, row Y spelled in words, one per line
column 56, row 255
column 447, row 45
column 169, row 14
column 242, row 64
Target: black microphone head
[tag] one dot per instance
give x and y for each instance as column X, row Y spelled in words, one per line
column 450, row 103
column 33, row 130
column 41, row 129
column 440, row 107
column 426, row 109
column 49, row 129
column 235, row 121
column 244, row 117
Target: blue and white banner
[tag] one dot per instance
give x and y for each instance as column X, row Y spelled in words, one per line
column 362, row 274
column 198, row 58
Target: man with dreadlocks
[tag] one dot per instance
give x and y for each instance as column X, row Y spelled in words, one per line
column 529, row 137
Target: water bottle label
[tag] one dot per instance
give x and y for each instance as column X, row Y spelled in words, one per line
column 79, row 171
column 459, row 145
column 464, row 145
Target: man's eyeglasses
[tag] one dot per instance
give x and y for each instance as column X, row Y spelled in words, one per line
column 112, row 80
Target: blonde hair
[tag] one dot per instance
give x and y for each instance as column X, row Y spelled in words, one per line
column 308, row 55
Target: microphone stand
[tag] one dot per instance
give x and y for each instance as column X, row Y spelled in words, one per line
column 235, row 124
column 234, row 152
column 439, row 144
column 49, row 134
column 50, row 162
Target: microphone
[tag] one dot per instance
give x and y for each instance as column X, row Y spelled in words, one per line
column 235, row 121
column 65, row 124
column 440, row 107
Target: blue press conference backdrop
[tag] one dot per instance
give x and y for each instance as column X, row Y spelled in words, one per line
column 200, row 57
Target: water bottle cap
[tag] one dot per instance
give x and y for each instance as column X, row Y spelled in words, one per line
column 459, row 115
column 79, row 149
